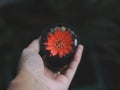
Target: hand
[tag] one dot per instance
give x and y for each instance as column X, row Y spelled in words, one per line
column 33, row 75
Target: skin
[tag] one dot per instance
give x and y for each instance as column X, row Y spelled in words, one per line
column 33, row 75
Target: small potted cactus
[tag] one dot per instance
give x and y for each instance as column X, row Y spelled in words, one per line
column 58, row 44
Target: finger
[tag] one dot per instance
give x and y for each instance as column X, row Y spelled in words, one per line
column 34, row 46
column 70, row 72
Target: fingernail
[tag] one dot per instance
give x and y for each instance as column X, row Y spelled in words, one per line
column 80, row 46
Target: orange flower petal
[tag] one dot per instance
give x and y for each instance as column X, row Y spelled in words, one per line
column 61, row 53
column 58, row 33
column 65, row 51
column 54, row 52
column 49, row 48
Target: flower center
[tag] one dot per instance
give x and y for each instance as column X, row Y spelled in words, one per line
column 59, row 43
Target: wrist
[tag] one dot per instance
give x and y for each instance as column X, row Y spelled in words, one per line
column 26, row 81
column 23, row 80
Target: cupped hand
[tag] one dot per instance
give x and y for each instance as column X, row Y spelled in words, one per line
column 34, row 75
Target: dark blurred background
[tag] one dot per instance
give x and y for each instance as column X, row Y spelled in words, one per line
column 98, row 22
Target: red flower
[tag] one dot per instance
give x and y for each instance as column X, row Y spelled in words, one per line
column 59, row 43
